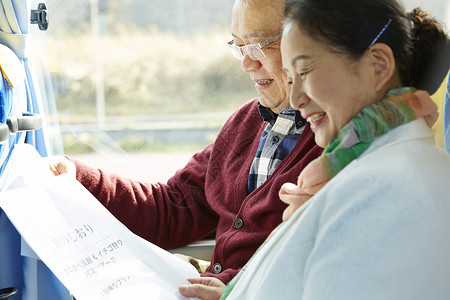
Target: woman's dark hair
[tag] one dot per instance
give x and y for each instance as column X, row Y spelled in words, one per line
column 420, row 45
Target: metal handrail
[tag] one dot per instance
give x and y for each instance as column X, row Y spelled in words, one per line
column 8, row 293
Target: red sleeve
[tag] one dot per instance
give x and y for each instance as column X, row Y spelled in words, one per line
column 169, row 215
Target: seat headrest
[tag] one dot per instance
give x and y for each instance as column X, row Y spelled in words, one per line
column 436, row 70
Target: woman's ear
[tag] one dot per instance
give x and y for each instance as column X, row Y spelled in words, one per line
column 383, row 62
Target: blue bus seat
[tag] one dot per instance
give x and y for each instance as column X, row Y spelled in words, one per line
column 20, row 277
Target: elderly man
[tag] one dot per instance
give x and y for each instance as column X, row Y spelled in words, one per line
column 232, row 185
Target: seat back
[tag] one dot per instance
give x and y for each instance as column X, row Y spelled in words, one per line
column 12, row 101
column 21, row 276
column 434, row 79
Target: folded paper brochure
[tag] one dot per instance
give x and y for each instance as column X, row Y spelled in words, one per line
column 88, row 249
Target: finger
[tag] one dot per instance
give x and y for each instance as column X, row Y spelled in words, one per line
column 62, row 168
column 289, row 199
column 290, row 210
column 56, row 165
column 287, row 213
column 294, row 202
column 200, row 280
column 289, row 188
column 209, row 281
column 201, row 291
column 53, row 169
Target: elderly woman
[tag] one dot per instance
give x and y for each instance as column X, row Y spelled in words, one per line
column 377, row 221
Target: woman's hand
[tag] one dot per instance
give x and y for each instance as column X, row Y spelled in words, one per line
column 205, row 288
column 293, row 196
column 61, row 165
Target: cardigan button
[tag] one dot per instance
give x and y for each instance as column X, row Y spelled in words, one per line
column 217, row 268
column 238, row 223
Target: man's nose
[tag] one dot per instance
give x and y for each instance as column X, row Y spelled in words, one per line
column 249, row 65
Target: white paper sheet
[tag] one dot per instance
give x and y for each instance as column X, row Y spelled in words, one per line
column 92, row 253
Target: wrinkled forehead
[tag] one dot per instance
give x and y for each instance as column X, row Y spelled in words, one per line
column 257, row 18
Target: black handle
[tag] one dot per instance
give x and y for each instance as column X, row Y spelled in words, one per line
column 8, row 293
column 26, row 122
column 29, row 121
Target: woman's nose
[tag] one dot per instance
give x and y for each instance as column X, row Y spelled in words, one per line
column 298, row 97
column 249, row 65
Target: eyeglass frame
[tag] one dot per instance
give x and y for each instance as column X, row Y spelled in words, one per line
column 235, row 50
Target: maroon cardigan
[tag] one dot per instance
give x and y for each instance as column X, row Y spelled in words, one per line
column 208, row 195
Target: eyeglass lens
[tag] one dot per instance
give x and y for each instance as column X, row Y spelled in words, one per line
column 253, row 51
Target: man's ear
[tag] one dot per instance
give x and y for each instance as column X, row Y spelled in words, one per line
column 383, row 62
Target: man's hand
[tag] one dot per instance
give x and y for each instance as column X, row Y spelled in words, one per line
column 60, row 165
column 205, row 288
column 294, row 196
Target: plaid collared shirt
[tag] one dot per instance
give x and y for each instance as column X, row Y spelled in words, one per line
column 277, row 141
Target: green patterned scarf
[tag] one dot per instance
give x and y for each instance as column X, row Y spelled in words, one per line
column 398, row 107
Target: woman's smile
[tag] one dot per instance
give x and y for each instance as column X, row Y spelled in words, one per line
column 314, row 118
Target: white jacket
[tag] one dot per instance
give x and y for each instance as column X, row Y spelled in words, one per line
column 379, row 230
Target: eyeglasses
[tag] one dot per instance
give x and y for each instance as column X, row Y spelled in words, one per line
column 253, row 51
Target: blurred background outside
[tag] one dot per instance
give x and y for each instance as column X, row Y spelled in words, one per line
column 137, row 86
